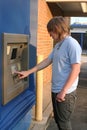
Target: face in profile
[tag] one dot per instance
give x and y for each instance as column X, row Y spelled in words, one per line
column 54, row 36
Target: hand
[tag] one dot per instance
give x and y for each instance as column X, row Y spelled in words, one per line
column 22, row 74
column 60, row 97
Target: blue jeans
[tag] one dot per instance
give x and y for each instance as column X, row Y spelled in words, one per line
column 63, row 110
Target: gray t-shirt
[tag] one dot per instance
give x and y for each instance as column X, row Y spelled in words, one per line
column 65, row 53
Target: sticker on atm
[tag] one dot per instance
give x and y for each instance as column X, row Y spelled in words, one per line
column 8, row 50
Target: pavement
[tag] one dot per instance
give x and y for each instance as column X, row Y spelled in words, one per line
column 79, row 118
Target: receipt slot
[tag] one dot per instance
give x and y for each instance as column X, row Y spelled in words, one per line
column 15, row 58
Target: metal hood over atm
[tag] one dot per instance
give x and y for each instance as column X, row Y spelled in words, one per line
column 15, row 58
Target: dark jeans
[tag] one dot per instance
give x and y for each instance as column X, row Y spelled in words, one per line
column 63, row 110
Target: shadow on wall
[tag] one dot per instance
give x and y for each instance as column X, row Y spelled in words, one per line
column 32, row 62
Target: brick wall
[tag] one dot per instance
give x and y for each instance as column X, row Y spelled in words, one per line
column 44, row 42
column 44, row 46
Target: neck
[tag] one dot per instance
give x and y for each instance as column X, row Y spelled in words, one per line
column 65, row 35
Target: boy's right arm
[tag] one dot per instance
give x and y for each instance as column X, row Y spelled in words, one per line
column 46, row 62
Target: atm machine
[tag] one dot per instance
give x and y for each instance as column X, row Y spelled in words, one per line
column 15, row 58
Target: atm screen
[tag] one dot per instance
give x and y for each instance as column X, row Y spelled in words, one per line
column 14, row 53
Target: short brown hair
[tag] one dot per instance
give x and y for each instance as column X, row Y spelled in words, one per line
column 58, row 25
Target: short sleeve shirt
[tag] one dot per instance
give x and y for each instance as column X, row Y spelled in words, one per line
column 65, row 53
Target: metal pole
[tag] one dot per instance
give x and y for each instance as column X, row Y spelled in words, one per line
column 39, row 92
